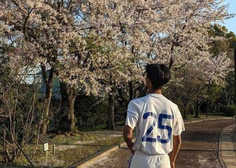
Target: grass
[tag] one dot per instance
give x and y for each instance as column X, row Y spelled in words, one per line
column 93, row 128
column 63, row 139
column 71, row 149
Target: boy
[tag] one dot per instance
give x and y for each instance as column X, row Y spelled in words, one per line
column 158, row 123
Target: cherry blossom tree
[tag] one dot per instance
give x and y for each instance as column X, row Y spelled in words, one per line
column 94, row 46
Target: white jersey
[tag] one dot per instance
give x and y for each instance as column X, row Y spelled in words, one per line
column 156, row 120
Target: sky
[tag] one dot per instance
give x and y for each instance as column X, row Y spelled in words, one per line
column 231, row 23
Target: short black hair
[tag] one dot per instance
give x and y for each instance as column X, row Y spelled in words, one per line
column 159, row 74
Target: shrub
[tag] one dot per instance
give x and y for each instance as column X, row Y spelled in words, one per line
column 229, row 111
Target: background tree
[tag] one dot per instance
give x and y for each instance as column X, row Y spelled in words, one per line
column 20, row 105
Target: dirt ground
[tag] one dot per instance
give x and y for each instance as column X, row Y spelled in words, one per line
column 199, row 148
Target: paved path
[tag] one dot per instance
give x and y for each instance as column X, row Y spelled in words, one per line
column 199, row 150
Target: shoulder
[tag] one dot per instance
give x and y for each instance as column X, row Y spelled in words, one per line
column 136, row 104
column 174, row 108
column 139, row 101
column 170, row 103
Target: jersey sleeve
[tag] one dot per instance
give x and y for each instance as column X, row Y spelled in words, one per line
column 178, row 124
column 132, row 115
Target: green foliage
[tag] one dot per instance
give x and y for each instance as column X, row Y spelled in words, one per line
column 90, row 111
column 226, row 44
column 229, row 111
column 215, row 92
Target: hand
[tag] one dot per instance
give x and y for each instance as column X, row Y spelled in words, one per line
column 131, row 150
column 172, row 164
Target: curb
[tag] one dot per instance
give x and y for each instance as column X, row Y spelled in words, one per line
column 227, row 148
column 196, row 121
column 91, row 159
column 220, row 149
column 88, row 161
column 213, row 119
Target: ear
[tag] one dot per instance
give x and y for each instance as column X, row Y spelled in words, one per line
column 148, row 82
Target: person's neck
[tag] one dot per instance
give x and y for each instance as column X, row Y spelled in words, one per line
column 155, row 91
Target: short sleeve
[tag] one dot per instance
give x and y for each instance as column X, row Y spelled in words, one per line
column 178, row 124
column 132, row 115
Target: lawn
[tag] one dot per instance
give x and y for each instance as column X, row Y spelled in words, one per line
column 71, row 149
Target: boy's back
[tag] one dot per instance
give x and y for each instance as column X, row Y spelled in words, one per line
column 156, row 120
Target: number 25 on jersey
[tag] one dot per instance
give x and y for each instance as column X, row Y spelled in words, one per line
column 160, row 126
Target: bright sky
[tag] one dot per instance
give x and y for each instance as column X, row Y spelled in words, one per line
column 231, row 23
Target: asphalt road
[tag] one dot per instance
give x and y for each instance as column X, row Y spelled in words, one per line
column 199, row 148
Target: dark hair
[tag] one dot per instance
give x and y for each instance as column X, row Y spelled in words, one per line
column 159, row 74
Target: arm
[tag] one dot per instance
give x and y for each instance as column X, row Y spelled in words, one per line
column 177, row 141
column 127, row 135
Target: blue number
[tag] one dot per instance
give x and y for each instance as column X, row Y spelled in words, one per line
column 168, row 128
column 145, row 137
column 160, row 126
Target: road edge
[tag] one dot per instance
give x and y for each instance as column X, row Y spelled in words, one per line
column 226, row 155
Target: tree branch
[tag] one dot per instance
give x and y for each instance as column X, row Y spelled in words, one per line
column 19, row 7
column 69, row 4
column 25, row 23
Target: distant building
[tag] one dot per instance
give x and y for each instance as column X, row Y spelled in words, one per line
column 55, row 89
column 35, row 77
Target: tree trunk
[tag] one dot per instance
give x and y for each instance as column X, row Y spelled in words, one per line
column 131, row 91
column 64, row 124
column 111, row 107
column 131, row 96
column 125, row 111
column 67, row 122
column 64, row 98
column 207, row 110
column 71, row 114
column 46, row 112
column 111, row 113
column 48, row 84
column 185, row 111
column 197, row 110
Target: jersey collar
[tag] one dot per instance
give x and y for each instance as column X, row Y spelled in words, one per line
column 155, row 95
